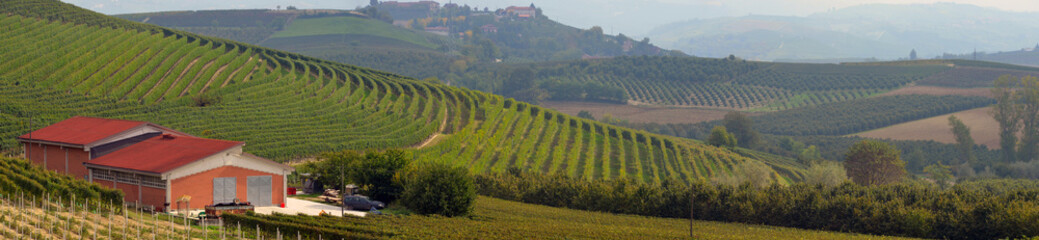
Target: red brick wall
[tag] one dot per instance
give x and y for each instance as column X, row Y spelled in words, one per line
column 76, row 159
column 34, row 152
column 200, row 186
column 56, row 159
column 150, row 196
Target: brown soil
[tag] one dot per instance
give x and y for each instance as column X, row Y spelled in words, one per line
column 983, row 129
column 640, row 114
column 941, row 91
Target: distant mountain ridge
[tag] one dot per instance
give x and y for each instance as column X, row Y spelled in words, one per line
column 884, row 31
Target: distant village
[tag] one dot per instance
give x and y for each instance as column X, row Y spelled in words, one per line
column 431, row 17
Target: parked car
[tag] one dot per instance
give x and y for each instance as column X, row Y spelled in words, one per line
column 358, row 202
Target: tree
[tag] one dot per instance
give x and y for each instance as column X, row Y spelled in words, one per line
column 519, row 79
column 871, row 162
column 438, row 189
column 1029, row 115
column 374, row 174
column 940, row 174
column 964, row 142
column 585, row 114
column 809, row 155
column 1006, row 114
column 912, row 54
column 742, row 127
column 826, row 173
column 333, row 168
column 373, row 3
column 720, row 137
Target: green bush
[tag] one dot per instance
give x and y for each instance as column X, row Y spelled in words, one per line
column 438, row 189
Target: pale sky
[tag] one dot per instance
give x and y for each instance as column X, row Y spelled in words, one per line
column 631, row 17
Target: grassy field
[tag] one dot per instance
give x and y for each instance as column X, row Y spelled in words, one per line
column 350, row 25
column 983, row 128
column 499, row 219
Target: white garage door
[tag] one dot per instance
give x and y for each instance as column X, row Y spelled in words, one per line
column 223, row 190
column 259, row 190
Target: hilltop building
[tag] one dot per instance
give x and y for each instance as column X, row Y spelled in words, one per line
column 154, row 165
column 489, row 28
column 522, row 12
column 432, row 5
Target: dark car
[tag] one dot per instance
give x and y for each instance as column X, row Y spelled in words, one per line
column 361, row 203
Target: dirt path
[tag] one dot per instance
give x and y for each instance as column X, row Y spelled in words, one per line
column 436, row 135
column 639, row 114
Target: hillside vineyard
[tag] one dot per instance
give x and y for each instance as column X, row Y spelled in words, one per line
column 60, row 62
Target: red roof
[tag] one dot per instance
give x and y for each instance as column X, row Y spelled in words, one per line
column 82, row 130
column 163, row 153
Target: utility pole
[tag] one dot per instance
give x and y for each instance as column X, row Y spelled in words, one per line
column 342, row 194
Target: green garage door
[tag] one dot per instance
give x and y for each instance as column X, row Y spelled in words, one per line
column 259, row 190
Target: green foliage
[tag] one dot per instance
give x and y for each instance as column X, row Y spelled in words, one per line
column 720, row 137
column 965, row 211
column 963, row 140
column 586, row 115
column 19, row 176
column 826, row 173
column 1006, row 113
column 439, row 189
column 940, row 174
column 375, row 173
column 741, row 126
column 871, row 162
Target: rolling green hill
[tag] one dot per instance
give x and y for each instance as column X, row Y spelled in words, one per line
column 59, row 60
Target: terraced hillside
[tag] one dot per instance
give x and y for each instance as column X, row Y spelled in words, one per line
column 734, row 83
column 59, row 60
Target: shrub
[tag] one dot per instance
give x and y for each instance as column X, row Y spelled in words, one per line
column 826, row 173
column 438, row 189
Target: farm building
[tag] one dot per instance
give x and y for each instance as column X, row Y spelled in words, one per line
column 154, row 165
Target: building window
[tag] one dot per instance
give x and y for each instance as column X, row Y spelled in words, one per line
column 103, row 174
column 128, row 178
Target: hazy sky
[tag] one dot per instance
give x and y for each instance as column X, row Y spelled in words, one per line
column 631, row 17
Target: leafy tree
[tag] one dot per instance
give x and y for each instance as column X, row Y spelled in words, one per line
column 438, row 189
column 742, row 127
column 940, row 174
column 964, row 142
column 585, row 114
column 826, row 173
column 809, row 155
column 912, row 54
column 373, row 3
column 720, row 137
column 333, row 168
column 519, row 79
column 1006, row 114
column 871, row 162
column 1029, row 114
column 374, row 173
column 755, row 173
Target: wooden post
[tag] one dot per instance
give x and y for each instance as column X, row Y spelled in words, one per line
column 692, row 198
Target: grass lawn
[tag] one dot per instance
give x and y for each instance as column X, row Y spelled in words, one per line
column 351, row 25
